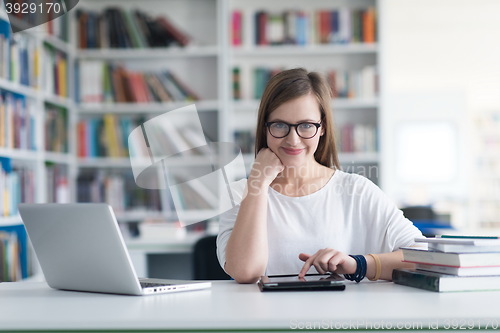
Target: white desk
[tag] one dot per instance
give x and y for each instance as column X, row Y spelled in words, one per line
column 228, row 306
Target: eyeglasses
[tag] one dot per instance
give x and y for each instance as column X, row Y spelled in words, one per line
column 280, row 129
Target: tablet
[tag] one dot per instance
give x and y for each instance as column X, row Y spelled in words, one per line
column 311, row 282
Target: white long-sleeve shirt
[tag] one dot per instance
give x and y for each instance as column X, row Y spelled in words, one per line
column 349, row 214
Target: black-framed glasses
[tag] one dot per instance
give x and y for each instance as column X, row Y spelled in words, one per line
column 280, row 129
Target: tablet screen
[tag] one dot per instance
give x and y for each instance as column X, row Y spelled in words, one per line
column 311, row 282
column 307, row 278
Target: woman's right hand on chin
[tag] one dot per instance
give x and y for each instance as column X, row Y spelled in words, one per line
column 266, row 167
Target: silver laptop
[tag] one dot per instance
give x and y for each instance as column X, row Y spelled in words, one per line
column 80, row 247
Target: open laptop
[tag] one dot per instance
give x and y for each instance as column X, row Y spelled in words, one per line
column 80, row 247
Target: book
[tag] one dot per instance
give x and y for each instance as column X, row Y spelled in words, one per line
column 139, row 88
column 444, row 282
column 119, row 189
column 185, row 89
column 324, row 26
column 176, row 34
column 14, row 258
column 138, row 39
column 290, row 27
column 157, row 89
column 301, row 28
column 91, row 83
column 113, row 136
column 261, row 19
column 5, row 41
column 460, row 271
column 56, row 133
column 236, row 83
column 416, row 255
column 143, row 27
column 368, row 21
column 461, row 244
column 236, row 27
column 245, row 140
column 275, row 29
column 468, row 237
column 119, row 82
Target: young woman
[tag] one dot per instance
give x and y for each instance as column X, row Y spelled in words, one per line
column 300, row 212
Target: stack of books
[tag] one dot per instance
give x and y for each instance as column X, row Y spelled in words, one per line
column 452, row 263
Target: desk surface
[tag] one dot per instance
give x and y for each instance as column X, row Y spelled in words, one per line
column 230, row 306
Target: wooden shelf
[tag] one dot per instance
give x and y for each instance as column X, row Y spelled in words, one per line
column 103, row 162
column 355, row 103
column 337, row 103
column 61, row 158
column 10, row 220
column 151, row 108
column 345, row 158
column 306, row 50
column 148, row 53
column 124, row 162
column 58, row 44
column 139, row 215
column 20, row 154
column 19, row 88
column 58, row 100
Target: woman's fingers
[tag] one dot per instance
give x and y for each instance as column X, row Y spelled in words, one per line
column 324, row 261
column 307, row 264
column 266, row 166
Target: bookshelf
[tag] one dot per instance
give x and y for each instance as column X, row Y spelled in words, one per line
column 297, row 37
column 196, row 64
column 211, row 53
column 36, row 151
column 62, row 167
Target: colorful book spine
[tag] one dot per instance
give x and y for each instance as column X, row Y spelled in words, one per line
column 16, row 186
column 245, row 140
column 104, row 82
column 16, row 122
column 14, row 256
column 115, row 131
column 369, row 26
column 237, row 28
column 336, row 26
column 5, row 42
column 19, row 60
column 236, row 78
column 444, row 282
column 56, row 129
column 469, row 259
column 359, row 84
column 57, row 183
column 119, row 28
column 358, row 138
column 56, row 75
column 119, row 189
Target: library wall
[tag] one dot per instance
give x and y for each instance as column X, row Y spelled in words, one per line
column 442, row 54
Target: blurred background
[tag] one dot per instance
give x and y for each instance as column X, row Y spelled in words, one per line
column 416, row 106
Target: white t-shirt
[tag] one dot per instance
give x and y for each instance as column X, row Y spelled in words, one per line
column 349, row 214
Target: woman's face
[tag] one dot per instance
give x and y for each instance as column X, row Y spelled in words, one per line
column 292, row 150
